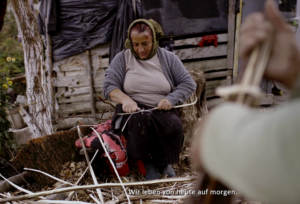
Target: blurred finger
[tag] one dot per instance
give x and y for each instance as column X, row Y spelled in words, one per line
column 274, row 15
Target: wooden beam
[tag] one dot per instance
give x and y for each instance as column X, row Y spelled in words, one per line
column 237, row 42
column 195, row 41
column 197, row 53
column 90, row 79
column 231, row 33
column 207, row 65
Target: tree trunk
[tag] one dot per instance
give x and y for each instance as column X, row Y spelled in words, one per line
column 38, row 118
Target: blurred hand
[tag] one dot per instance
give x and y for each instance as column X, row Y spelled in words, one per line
column 164, row 104
column 129, row 106
column 284, row 64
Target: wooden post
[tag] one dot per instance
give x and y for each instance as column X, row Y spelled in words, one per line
column 49, row 65
column 237, row 40
column 231, row 34
column 90, row 77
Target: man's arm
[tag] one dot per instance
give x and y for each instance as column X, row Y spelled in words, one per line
column 254, row 153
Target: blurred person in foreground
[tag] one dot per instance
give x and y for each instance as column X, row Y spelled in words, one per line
column 256, row 153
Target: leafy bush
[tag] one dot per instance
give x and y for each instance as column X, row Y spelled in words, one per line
column 6, row 138
column 11, row 47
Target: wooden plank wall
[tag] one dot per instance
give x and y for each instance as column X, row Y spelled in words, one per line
column 73, row 88
column 72, row 85
column 213, row 61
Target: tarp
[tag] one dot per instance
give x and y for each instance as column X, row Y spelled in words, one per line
column 77, row 25
column 186, row 17
column 126, row 15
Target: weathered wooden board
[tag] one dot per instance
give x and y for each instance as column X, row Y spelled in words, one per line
column 80, row 98
column 82, row 107
column 210, row 93
column 231, row 33
column 212, row 85
column 207, row 65
column 101, row 50
column 213, row 75
column 211, row 103
column 103, row 62
column 195, row 53
column 195, row 41
column 82, row 90
column 76, row 73
column 215, row 83
column 267, row 99
column 61, row 74
column 75, row 64
column 68, row 123
column 80, row 80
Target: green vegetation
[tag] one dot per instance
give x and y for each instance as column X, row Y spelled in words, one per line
column 11, row 65
column 11, row 47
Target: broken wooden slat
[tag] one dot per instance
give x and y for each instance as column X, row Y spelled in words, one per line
column 213, row 75
column 195, row 41
column 82, row 107
column 207, row 65
column 195, row 53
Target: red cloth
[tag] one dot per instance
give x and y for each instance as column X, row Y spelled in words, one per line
column 115, row 145
column 209, row 39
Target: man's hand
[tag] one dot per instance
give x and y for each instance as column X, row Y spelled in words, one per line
column 129, row 105
column 164, row 104
column 284, row 64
